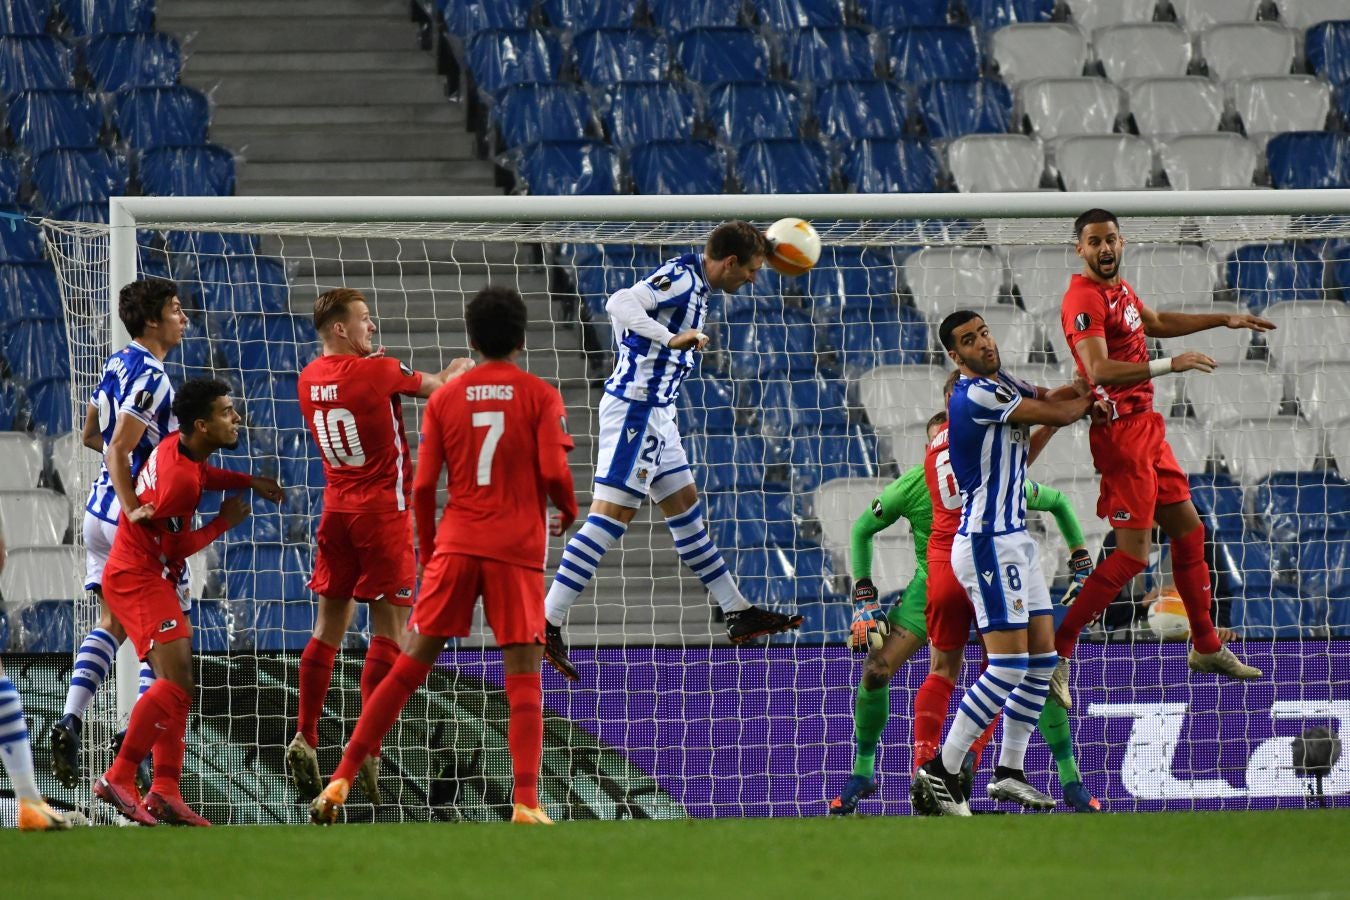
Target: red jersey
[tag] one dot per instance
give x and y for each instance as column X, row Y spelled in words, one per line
column 353, row 411
column 944, row 494
column 502, row 433
column 1113, row 312
column 173, row 482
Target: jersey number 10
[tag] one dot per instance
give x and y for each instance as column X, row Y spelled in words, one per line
column 335, row 431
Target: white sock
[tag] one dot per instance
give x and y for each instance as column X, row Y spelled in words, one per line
column 92, row 664
column 15, row 751
column 981, row 703
column 1023, row 709
column 147, row 679
column 703, row 558
column 582, row 555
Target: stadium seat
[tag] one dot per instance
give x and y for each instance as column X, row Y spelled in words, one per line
column 49, row 403
column 47, row 119
column 821, row 457
column 784, row 167
column 950, row 109
column 943, row 52
column 203, row 170
column 1241, row 392
column 991, row 15
column 867, row 338
column 608, row 55
column 828, row 54
column 1219, row 501
column 944, row 279
column 37, row 349
column 117, row 61
column 579, row 15
column 1018, row 335
column 525, row 113
column 467, row 17
column 1266, row 274
column 1254, row 448
column 1242, row 51
column 108, row 16
column 48, row 627
column 1229, row 346
column 995, row 162
column 210, row 627
column 766, row 341
column 785, row 15
column 1104, row 162
column 24, row 18
column 1273, row 612
column 853, row 110
column 62, row 177
column 741, row 111
column 710, row 55
column 678, row 167
column 11, row 179
column 241, row 284
column 1309, row 159
column 1278, row 103
column 1191, row 442
column 837, row 505
column 1297, row 507
column 33, row 62
column 162, row 116
column 1301, row 15
column 23, row 461
column 34, row 518
column 1171, row 274
column 1066, row 456
column 29, row 291
column 1061, row 107
column 1322, row 391
column 707, row 405
column 782, row 578
column 848, row 279
column 1024, row 52
column 675, row 16
column 1171, row 106
column 569, row 167
column 1042, row 275
column 279, row 625
column 1089, row 15
column 1200, row 162
column 886, row 14
column 210, row 243
column 728, row 462
column 1308, row 336
column 37, row 574
column 899, row 396
column 1197, row 15
column 1328, row 50
column 502, row 57
column 891, row 167
column 802, row 404
column 752, row 519
column 1145, row 50
column 637, row 112
column 267, row 343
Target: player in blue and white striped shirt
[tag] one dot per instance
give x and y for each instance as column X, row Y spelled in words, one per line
column 990, row 415
column 128, row 414
column 658, row 329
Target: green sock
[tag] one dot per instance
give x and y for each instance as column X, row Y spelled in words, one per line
column 1054, row 727
column 871, row 709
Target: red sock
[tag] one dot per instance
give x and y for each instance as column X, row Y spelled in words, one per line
column 316, row 672
column 154, row 713
column 1191, row 575
column 1102, row 586
column 378, row 715
column 931, row 703
column 525, row 735
column 171, row 745
column 983, row 740
column 380, row 657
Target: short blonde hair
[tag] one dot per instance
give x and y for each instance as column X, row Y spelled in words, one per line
column 333, row 306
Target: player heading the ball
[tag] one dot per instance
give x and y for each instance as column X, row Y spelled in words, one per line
column 658, row 325
column 350, row 398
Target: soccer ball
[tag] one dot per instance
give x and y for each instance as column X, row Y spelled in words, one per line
column 1167, row 617
column 794, row 246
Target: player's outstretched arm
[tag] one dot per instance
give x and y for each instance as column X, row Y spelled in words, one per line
column 1050, row 412
column 434, row 381
column 1103, row 370
column 1176, row 324
column 430, row 461
column 884, row 512
column 90, row 437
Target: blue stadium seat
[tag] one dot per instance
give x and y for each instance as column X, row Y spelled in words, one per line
column 743, row 111
column 852, row 110
column 868, row 338
column 210, row 626
column 637, row 112
column 11, row 183
column 678, row 167
column 37, row 349
column 62, row 177
column 196, row 351
column 502, row 57
column 710, row 55
column 799, row 405
column 823, row 622
column 928, row 54
column 887, row 14
column 83, row 212
column 850, row 278
column 242, row 284
column 11, row 399
column 33, row 62
column 990, row 15
column 951, row 109
column 162, row 116
column 1324, row 567
column 269, row 343
column 24, row 17
column 117, row 61
column 279, row 625
column 1328, row 51
column 1274, row 617
column 44, row 120
column 301, row 466
column 1218, row 499
column 1309, row 159
column 526, row 113
column 108, row 16
column 818, row 458
column 1302, row 506
column 752, row 519
column 202, row 170
column 465, row 17
column 707, row 405
column 782, row 578
column 681, row 15
column 829, row 54
column 569, row 167
column 609, row 55
column 578, row 15
column 725, row 462
column 20, row 241
column 267, row 571
column 48, row 626
column 784, row 15
column 210, row 243
column 1266, row 274
column 767, row 341
column 49, row 404
column 891, row 167
column 784, row 166
column 29, row 291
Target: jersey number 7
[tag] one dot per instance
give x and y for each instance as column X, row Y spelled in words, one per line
column 495, row 423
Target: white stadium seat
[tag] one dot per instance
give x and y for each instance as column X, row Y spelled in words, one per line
column 32, row 574
column 1338, row 446
column 1273, row 104
column 1185, row 105
column 1065, row 456
column 1104, row 162
column 1234, row 393
column 1256, row 447
column 36, row 518
column 1308, row 334
column 75, row 463
column 1062, row 107
column 1082, row 494
column 1042, row 276
column 1301, row 15
column 1192, row 443
column 980, row 163
column 1244, row 51
column 1168, row 274
column 1053, row 330
column 1197, row 15
column 1201, row 162
column 1146, row 50
column 1228, row 346
column 837, row 504
column 1016, row 333
column 944, row 279
column 1322, row 394
column 1089, row 15
column 1049, row 50
column 897, row 397
column 23, row 461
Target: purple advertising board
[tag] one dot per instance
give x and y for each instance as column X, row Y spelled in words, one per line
column 768, row 731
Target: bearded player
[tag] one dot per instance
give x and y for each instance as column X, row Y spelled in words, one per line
column 1108, row 328
column 502, row 434
column 350, row 398
column 139, row 585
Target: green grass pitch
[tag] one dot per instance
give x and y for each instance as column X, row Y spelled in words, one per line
column 1262, row 854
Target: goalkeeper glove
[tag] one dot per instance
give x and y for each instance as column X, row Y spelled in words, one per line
column 870, row 626
column 1080, row 567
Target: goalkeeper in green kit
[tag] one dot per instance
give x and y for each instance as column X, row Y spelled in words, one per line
column 894, row 638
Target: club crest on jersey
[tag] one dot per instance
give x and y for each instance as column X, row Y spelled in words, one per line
column 1132, row 318
column 1082, row 321
column 642, row 475
column 1017, row 605
column 877, row 510
column 168, row 625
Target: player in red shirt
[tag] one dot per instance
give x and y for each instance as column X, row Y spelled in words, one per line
column 1108, row 326
column 350, row 398
column 140, row 588
column 502, row 434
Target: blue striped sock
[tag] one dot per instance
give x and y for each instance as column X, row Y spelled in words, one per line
column 1023, row 709
column 92, row 665
column 981, row 703
column 15, row 751
column 147, row 679
column 582, row 555
column 703, row 558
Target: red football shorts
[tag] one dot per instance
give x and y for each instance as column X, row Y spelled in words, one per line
column 949, row 613
column 146, row 605
column 1139, row 471
column 513, row 599
column 368, row 556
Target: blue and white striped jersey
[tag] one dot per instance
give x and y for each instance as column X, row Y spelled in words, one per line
column 676, row 296
column 133, row 383
column 989, row 454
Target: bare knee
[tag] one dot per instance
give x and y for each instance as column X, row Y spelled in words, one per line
column 332, row 620
column 387, row 620
column 945, row 664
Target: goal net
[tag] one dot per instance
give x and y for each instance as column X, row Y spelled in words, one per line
column 812, row 395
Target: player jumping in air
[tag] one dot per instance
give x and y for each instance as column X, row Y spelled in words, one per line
column 350, row 398
column 139, row 582
column 128, row 414
column 658, row 323
column 502, row 434
column 1108, row 327
column 997, row 562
